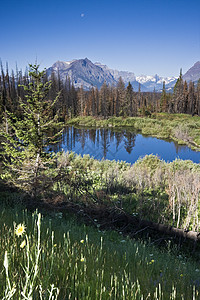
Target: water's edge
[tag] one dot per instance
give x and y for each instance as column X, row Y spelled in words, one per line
column 121, row 144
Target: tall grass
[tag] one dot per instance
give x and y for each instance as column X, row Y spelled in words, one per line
column 57, row 258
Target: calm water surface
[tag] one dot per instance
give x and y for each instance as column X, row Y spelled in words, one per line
column 122, row 145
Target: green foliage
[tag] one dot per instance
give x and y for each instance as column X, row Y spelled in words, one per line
column 25, row 155
column 161, row 192
column 58, row 258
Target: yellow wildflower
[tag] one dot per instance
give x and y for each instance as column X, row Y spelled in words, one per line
column 151, row 262
column 82, row 259
column 20, row 230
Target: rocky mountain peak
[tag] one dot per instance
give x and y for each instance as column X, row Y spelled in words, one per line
column 193, row 74
column 197, row 64
column 83, row 73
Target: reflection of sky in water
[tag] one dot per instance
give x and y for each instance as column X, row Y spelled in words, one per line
column 124, row 145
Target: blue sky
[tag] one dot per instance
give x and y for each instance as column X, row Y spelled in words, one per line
column 142, row 36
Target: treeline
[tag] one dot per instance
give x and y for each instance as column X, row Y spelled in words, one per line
column 124, row 101
column 107, row 101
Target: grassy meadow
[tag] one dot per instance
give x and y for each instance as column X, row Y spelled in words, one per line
column 53, row 256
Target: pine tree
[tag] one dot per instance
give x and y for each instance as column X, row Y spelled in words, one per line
column 185, row 96
column 25, row 157
column 192, row 99
column 121, row 95
column 198, row 97
column 163, row 100
column 81, row 101
column 178, row 99
column 130, row 109
column 104, row 95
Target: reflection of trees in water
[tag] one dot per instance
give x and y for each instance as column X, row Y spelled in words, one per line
column 92, row 135
column 104, row 141
column 74, row 137
column 112, row 136
column 71, row 136
column 119, row 137
column 98, row 137
column 179, row 147
column 82, row 136
column 66, row 138
column 129, row 141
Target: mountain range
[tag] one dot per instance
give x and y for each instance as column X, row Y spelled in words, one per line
column 83, row 72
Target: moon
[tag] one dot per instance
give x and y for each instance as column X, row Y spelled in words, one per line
column 82, row 15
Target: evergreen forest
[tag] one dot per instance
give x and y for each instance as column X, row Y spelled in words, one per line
column 105, row 102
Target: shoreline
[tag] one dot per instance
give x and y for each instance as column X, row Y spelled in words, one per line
column 180, row 128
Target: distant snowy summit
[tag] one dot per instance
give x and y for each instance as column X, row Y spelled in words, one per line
column 87, row 74
column 156, row 82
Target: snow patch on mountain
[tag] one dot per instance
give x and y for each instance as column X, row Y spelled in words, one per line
column 155, row 79
column 156, row 82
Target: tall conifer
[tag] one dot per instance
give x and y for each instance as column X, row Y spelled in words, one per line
column 25, row 156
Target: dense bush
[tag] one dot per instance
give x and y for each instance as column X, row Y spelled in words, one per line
column 155, row 190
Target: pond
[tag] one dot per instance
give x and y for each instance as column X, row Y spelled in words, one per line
column 121, row 144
